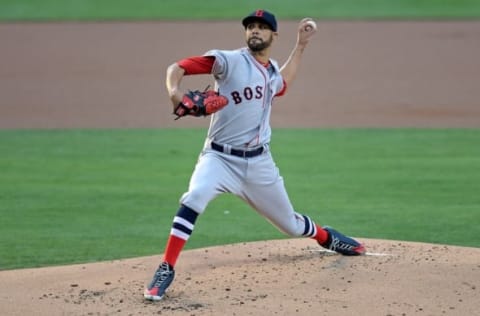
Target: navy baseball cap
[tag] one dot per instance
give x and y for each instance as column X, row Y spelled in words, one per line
column 261, row 16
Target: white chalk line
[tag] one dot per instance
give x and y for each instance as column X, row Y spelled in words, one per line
column 374, row 254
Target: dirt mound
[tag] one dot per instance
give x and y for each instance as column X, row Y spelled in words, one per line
column 280, row 277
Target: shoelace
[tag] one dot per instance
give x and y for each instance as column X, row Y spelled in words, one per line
column 338, row 244
column 162, row 274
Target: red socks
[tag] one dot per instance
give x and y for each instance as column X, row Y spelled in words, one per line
column 182, row 228
column 321, row 236
column 173, row 249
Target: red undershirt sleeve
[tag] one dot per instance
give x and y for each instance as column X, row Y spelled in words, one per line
column 284, row 89
column 197, row 65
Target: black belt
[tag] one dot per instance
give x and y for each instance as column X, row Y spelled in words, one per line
column 238, row 152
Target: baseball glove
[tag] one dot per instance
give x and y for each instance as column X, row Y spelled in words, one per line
column 198, row 103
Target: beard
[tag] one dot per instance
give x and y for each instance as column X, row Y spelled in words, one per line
column 256, row 44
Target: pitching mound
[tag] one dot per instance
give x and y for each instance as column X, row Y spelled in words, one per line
column 281, row 277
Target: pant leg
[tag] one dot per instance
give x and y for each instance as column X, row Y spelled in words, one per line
column 266, row 193
column 214, row 174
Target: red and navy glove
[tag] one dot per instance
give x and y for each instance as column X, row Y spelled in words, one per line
column 198, row 103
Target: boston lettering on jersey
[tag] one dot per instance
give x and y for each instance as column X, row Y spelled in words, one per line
column 248, row 93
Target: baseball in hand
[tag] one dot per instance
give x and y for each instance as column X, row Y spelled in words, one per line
column 310, row 26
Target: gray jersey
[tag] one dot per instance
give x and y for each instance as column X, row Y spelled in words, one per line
column 250, row 88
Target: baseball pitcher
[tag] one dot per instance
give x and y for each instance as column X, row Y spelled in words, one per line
column 236, row 157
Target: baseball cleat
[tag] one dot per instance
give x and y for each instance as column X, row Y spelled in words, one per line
column 162, row 279
column 342, row 244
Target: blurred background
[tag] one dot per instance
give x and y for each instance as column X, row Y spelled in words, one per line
column 373, row 63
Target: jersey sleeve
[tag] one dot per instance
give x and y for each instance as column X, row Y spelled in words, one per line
column 220, row 65
column 197, row 65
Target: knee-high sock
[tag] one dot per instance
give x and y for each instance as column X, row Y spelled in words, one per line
column 314, row 231
column 182, row 228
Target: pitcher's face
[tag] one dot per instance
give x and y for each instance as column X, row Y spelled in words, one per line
column 259, row 36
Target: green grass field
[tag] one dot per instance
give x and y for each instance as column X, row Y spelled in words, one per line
column 11, row 10
column 87, row 195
